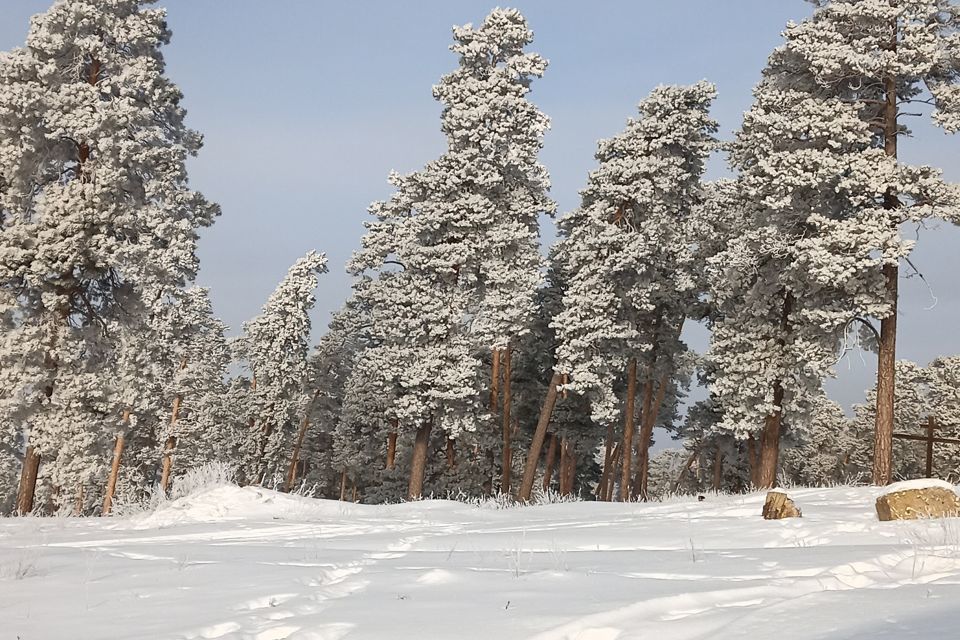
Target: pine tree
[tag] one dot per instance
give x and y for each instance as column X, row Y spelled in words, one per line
column 808, row 258
column 628, row 253
column 453, row 251
column 96, row 214
column 876, row 56
column 274, row 347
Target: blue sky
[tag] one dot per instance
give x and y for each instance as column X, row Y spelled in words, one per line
column 306, row 106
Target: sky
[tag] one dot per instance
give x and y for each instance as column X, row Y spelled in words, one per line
column 307, row 105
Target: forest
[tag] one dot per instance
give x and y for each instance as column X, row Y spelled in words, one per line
column 473, row 359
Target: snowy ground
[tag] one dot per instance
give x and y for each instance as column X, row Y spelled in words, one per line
column 251, row 564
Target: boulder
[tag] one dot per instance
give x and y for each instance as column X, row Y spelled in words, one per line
column 918, row 499
column 779, row 505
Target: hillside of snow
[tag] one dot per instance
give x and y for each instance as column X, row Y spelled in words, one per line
column 251, row 564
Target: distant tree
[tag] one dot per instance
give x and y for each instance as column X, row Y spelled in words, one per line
column 274, row 347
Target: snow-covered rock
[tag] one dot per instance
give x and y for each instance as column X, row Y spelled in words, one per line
column 923, row 498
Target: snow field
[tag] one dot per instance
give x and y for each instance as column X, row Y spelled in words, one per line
column 251, row 564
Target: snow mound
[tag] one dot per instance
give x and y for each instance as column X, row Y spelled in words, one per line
column 230, row 502
column 921, row 483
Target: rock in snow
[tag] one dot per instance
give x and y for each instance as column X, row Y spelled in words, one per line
column 924, row 498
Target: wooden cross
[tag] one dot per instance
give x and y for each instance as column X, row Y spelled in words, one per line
column 929, row 438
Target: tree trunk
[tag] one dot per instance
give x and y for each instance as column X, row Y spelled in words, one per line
column 718, row 470
column 564, row 464
column 571, row 470
column 773, row 423
column 295, row 456
column 28, row 481
column 607, row 463
column 507, row 399
column 612, row 478
column 551, row 460
column 533, row 455
column 168, row 448
column 770, row 442
column 115, row 467
column 685, row 469
column 650, row 414
column 392, row 446
column 343, row 485
column 418, row 467
column 451, row 453
column 628, row 428
column 495, row 382
column 887, row 356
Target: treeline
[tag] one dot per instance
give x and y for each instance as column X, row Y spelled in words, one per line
column 465, row 362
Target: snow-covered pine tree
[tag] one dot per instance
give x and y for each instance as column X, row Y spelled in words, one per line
column 330, row 366
column 96, row 209
column 274, row 347
column 495, row 133
column 629, row 260
column 454, row 249
column 193, row 371
column 878, row 56
column 807, row 259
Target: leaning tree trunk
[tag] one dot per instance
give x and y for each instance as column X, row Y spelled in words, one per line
column 533, row 455
column 295, row 456
column 507, row 399
column 887, row 356
column 418, row 467
column 628, row 428
column 115, row 467
column 612, row 478
column 28, row 481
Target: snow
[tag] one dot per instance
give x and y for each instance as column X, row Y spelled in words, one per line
column 920, row 483
column 251, row 564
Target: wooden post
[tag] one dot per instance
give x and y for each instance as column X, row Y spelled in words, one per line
column 507, row 461
column 533, row 456
column 418, row 466
column 28, row 481
column 115, row 466
column 628, row 428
